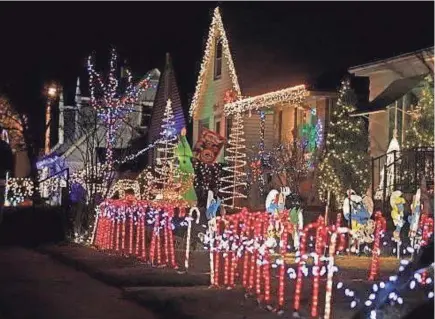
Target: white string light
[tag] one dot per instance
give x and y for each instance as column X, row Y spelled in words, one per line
column 216, row 32
column 291, row 96
column 234, row 184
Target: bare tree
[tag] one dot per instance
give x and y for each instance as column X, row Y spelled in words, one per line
column 290, row 163
column 87, row 155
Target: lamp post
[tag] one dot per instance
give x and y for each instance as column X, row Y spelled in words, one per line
column 51, row 94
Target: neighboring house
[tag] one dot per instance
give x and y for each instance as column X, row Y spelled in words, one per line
column 395, row 88
column 167, row 89
column 80, row 130
column 394, row 82
column 221, row 81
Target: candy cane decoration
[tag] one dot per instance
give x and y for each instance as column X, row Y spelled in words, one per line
column 321, row 234
column 97, row 216
column 189, row 231
column 328, row 294
column 380, row 228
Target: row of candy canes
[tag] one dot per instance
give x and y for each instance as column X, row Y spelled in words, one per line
column 326, row 236
column 240, row 240
column 121, row 226
column 427, row 229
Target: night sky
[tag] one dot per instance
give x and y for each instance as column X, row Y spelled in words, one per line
column 49, row 41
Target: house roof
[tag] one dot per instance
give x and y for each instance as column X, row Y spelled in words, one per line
column 258, row 68
column 167, row 89
column 392, row 93
column 364, row 69
column 292, row 95
column 216, row 31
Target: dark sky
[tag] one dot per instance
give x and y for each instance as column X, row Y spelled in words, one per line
column 49, row 41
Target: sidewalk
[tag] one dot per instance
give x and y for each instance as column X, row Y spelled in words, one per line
column 121, row 271
column 164, row 291
column 34, row 286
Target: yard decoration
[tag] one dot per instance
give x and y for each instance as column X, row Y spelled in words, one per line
column 358, row 212
column 397, row 213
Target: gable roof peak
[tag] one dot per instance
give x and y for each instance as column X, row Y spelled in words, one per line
column 216, row 31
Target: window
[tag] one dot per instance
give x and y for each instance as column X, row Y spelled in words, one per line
column 218, row 127
column 146, row 116
column 218, row 60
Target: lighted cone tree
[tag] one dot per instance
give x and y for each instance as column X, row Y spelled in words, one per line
column 166, row 165
column 345, row 161
column 234, row 180
column 420, row 131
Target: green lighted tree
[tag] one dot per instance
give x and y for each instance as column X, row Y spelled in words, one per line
column 345, row 161
column 420, row 132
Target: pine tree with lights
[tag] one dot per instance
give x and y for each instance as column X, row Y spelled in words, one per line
column 234, row 182
column 345, row 161
column 421, row 130
column 166, row 165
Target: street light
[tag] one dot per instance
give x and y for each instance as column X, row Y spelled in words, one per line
column 51, row 92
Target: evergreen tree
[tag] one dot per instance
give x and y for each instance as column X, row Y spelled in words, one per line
column 421, row 130
column 345, row 160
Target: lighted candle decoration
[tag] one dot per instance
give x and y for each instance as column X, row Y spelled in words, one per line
column 189, row 231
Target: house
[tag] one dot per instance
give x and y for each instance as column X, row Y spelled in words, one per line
column 167, row 89
column 395, row 87
column 223, row 85
column 79, row 129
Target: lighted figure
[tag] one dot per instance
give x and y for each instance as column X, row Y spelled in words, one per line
column 212, row 208
column 275, row 205
column 397, row 203
column 184, row 155
column 275, row 201
column 358, row 211
column 414, row 218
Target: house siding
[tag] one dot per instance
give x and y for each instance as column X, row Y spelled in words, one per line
column 252, row 133
column 211, row 99
column 381, row 76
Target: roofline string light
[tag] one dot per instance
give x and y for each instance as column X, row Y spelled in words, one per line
column 216, row 30
column 293, row 96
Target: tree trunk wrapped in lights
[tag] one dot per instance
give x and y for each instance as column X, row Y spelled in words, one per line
column 345, row 162
column 234, row 182
column 111, row 103
column 166, row 166
column 420, row 132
